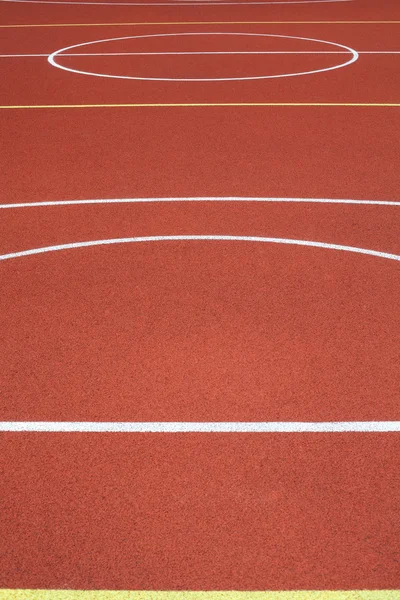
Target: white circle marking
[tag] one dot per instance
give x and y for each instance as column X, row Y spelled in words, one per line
column 58, row 53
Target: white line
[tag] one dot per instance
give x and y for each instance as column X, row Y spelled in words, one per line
column 179, row 238
column 228, row 52
column 189, row 3
column 199, row 199
column 62, row 51
column 173, row 53
column 204, row 427
column 295, row 52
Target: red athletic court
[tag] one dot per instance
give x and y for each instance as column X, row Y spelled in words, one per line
column 199, row 223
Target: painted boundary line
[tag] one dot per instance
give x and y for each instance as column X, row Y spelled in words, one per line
column 197, row 427
column 225, row 52
column 201, row 199
column 178, row 3
column 204, row 105
column 221, row 595
column 138, row 24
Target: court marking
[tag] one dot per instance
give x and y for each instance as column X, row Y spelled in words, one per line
column 58, row 54
column 178, row 3
column 337, row 427
column 200, row 105
column 186, row 238
column 210, row 199
column 138, row 24
column 200, row 427
column 41, row 594
column 261, row 52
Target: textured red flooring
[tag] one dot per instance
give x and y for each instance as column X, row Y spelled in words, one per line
column 200, row 331
column 367, row 80
column 40, row 13
column 201, row 511
column 220, row 151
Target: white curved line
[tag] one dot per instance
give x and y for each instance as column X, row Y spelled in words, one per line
column 58, row 53
column 178, row 238
column 202, row 427
column 200, row 199
column 189, row 3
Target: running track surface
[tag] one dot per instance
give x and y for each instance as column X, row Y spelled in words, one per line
column 200, row 303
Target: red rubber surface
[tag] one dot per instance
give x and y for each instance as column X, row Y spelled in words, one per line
column 344, row 11
column 202, row 512
column 357, row 83
column 277, row 152
column 202, row 330
column 193, row 331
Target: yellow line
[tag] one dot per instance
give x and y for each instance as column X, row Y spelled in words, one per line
column 193, row 105
column 114, row 595
column 203, row 23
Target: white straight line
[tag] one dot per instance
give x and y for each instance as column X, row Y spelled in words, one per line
column 23, row 55
column 184, row 3
column 176, row 53
column 200, row 199
column 203, row 427
column 263, row 52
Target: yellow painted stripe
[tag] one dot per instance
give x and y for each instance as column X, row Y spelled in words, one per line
column 204, row 23
column 113, row 595
column 194, row 105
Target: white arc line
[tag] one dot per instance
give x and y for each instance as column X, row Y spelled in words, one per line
column 199, row 199
column 177, row 238
column 202, row 427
